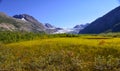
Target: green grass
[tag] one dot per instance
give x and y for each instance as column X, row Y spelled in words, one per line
column 53, row 53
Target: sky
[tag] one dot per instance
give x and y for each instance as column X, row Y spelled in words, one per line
column 60, row 13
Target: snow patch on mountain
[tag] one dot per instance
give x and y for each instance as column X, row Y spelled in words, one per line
column 74, row 30
column 23, row 19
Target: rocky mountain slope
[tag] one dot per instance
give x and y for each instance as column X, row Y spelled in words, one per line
column 34, row 23
column 51, row 29
column 107, row 23
column 77, row 28
column 21, row 22
column 49, row 26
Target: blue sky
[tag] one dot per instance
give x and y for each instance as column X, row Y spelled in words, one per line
column 60, row 13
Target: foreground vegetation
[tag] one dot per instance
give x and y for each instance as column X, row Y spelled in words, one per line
column 36, row 52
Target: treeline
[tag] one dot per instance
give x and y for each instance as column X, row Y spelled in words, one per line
column 117, row 34
column 9, row 37
column 62, row 35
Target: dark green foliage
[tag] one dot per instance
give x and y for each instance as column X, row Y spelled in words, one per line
column 63, row 35
column 8, row 37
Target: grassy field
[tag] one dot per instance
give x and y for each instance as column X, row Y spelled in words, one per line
column 81, row 53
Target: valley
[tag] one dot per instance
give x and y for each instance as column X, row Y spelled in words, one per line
column 28, row 44
column 62, row 52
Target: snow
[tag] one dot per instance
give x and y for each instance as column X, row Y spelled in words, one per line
column 23, row 19
column 63, row 31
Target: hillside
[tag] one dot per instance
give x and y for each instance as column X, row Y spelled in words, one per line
column 25, row 23
column 107, row 23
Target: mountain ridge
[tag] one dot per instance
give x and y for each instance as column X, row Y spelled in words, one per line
column 106, row 23
column 8, row 23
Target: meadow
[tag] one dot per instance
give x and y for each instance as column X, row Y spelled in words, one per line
column 62, row 52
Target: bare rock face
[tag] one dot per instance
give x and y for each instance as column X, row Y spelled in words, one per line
column 47, row 25
column 107, row 23
column 30, row 19
column 82, row 26
column 7, row 26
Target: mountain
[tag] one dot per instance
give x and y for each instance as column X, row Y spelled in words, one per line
column 74, row 30
column 82, row 26
column 110, row 22
column 77, row 28
column 35, row 23
column 49, row 26
column 50, row 29
column 21, row 22
column 56, row 30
